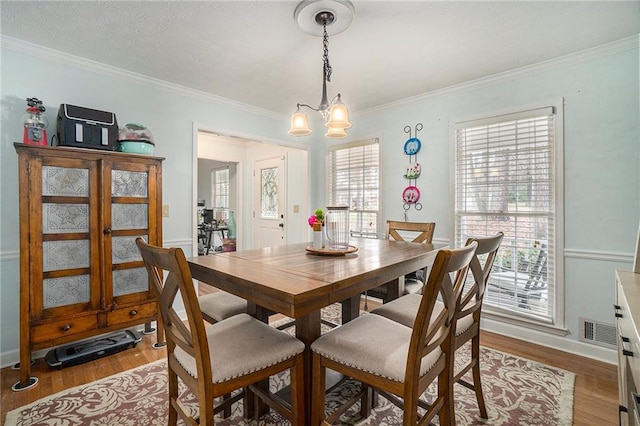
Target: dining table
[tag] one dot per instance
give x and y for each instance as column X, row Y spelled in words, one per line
column 298, row 281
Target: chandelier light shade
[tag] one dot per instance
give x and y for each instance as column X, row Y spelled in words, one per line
column 335, row 133
column 311, row 16
column 299, row 124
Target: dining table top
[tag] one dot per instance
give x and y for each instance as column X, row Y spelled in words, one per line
column 294, row 281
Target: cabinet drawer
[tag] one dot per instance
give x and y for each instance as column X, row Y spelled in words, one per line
column 131, row 313
column 66, row 327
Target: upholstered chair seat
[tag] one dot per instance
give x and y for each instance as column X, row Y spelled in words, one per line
column 221, row 305
column 249, row 346
column 404, row 310
column 373, row 344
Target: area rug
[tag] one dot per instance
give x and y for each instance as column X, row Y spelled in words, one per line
column 517, row 392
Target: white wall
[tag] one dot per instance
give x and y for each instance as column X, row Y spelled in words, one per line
column 169, row 111
column 601, row 167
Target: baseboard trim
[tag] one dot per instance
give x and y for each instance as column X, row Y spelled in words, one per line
column 575, row 347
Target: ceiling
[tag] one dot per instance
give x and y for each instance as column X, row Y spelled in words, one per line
column 255, row 53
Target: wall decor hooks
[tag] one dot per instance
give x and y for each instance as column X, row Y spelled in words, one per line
column 411, row 194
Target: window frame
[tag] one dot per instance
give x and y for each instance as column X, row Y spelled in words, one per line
column 557, row 321
column 224, row 211
column 331, row 185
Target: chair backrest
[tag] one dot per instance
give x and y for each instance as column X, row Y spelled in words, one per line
column 473, row 292
column 191, row 339
column 424, row 229
column 429, row 333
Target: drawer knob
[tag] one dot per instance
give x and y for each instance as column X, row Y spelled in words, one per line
column 66, row 327
column 133, row 312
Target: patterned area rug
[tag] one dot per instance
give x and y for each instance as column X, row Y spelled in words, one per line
column 517, row 392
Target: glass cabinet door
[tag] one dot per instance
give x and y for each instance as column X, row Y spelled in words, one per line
column 129, row 213
column 69, row 277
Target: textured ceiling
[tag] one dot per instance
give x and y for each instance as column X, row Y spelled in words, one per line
column 254, row 52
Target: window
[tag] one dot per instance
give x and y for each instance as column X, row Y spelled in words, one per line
column 220, row 196
column 354, row 181
column 505, row 180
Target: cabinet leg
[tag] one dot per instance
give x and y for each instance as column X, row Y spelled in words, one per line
column 28, row 384
column 148, row 328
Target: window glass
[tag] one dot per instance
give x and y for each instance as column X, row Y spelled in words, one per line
column 505, row 181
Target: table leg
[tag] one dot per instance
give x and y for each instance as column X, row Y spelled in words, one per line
column 350, row 308
column 308, row 330
column 395, row 289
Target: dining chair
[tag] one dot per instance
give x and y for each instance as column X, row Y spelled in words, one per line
column 420, row 232
column 217, row 359
column 467, row 313
column 398, row 361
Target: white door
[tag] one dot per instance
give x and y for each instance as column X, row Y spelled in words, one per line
column 269, row 185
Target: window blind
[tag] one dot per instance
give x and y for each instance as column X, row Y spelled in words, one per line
column 504, row 181
column 353, row 180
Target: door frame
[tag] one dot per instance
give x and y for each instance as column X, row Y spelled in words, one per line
column 244, row 210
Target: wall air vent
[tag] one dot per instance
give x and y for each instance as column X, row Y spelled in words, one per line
column 598, row 333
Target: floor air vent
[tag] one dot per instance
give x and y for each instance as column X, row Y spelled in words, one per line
column 598, row 333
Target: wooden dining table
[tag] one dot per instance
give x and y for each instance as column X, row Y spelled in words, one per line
column 293, row 281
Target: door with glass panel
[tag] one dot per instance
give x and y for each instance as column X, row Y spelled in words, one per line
column 270, row 202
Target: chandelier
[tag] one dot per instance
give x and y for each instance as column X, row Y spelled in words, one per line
column 311, row 16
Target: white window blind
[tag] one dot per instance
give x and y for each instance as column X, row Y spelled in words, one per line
column 354, row 181
column 504, row 181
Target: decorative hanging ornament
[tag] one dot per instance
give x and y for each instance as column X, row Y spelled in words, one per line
column 411, row 194
column 413, row 171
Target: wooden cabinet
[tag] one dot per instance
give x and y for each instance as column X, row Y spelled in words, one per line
column 80, row 270
column 627, row 312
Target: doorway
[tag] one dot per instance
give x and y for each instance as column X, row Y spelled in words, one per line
column 246, row 154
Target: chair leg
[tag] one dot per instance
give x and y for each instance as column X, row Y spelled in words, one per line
column 173, row 396
column 297, row 385
column 226, row 412
column 366, row 401
column 318, row 392
column 249, row 403
column 477, row 383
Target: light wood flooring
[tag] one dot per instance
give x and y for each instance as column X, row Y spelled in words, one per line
column 595, row 401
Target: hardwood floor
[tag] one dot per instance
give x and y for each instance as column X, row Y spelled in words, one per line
column 595, row 399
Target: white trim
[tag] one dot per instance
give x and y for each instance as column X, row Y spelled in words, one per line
column 605, row 256
column 104, row 69
column 542, row 337
column 607, row 49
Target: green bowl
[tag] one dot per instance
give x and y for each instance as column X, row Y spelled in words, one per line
column 136, row 147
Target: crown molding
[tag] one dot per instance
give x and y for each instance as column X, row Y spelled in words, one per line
column 108, row 70
column 608, row 49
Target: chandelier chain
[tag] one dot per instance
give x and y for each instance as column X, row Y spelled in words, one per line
column 325, row 44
